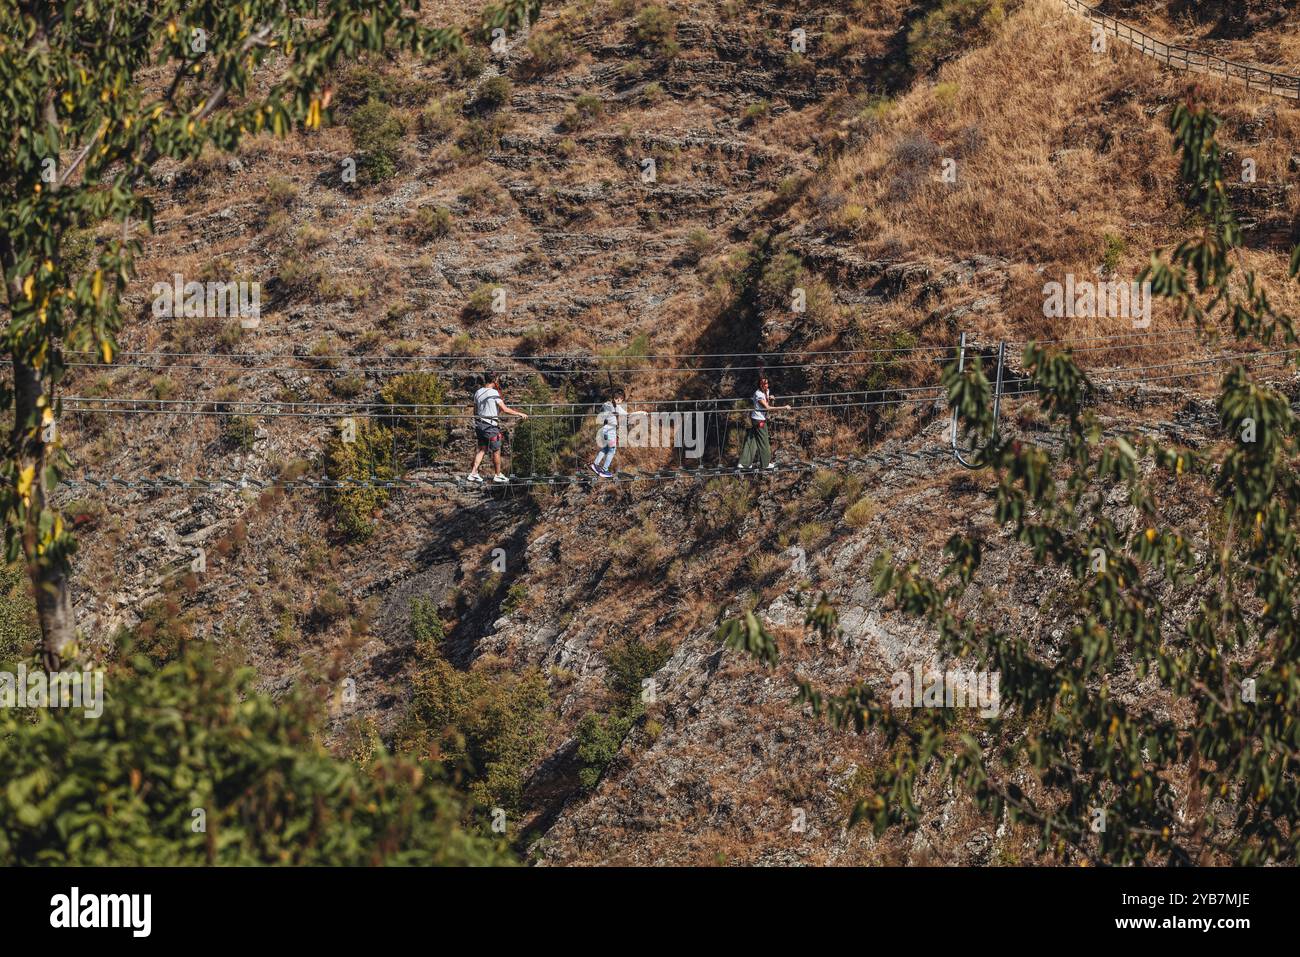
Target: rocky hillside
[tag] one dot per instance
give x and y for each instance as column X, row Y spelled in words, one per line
column 638, row 179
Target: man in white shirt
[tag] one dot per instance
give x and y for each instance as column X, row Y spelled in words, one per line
column 756, row 439
column 488, row 404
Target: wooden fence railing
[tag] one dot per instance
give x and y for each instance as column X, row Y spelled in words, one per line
column 1189, row 61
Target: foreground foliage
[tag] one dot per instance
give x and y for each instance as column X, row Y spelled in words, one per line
column 189, row 765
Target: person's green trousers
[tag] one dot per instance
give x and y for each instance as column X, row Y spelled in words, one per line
column 756, row 440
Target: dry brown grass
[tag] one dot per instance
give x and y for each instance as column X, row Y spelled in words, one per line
column 1056, row 150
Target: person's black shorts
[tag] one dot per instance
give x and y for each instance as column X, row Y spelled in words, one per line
column 489, row 439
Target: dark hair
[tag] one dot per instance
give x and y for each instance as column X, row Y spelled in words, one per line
column 489, row 378
column 617, row 393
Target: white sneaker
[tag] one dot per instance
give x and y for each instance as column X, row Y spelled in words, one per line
column 771, row 465
column 473, row 477
column 500, row 479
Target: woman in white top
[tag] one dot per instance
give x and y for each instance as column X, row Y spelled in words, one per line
column 757, row 439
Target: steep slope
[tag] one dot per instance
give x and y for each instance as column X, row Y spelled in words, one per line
column 773, row 170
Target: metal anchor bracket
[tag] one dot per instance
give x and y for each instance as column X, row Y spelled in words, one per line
column 957, row 452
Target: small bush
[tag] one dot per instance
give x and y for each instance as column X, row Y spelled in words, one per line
column 1115, row 248
column 860, row 512
column 763, row 566
column 548, row 51
column 631, row 662
column 493, row 94
column 586, row 109
column 945, row 94
column 699, row 243
column 827, row 484
column 656, row 30
column 370, row 457
column 599, row 739
column 478, row 138
column 238, row 432
column 280, row 193
column 329, row 607
column 163, row 631
column 755, row 112
column 479, row 305
column 438, row 120
column 348, row 387
column 428, row 223
column 640, row 550
column 516, row 598
column 465, row 64
column 954, row 26
column 377, row 132
column 811, row 534
column 727, row 502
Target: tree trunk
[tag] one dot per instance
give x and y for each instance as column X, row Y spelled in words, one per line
column 50, row 584
column 49, row 577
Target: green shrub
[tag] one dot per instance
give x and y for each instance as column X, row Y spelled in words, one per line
column 439, row 119
column 328, row 608
column 377, row 132
column 410, row 399
column 656, row 29
column 812, row 533
column 599, row 738
column 163, row 633
column 699, row 243
column 370, row 457
column 195, row 741
column 479, row 305
column 630, row 662
column 348, row 387
column 487, row 722
column 1115, row 248
column 727, row 502
column 238, row 432
column 755, row 112
column 280, row 193
column 480, row 137
column 639, row 550
column 493, row 93
column 945, row 94
column 586, row 109
column 548, row 51
column 465, row 64
column 361, row 83
column 954, row 26
column 427, row 628
column 517, row 597
column 428, row 223
column 827, row 484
